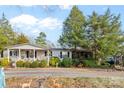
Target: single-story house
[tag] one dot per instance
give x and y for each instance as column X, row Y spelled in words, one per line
column 33, row 52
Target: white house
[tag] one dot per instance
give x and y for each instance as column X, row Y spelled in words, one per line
column 32, row 52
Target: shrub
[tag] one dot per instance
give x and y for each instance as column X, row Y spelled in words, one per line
column 54, row 61
column 35, row 64
column 43, row 63
column 20, row 63
column 66, row 62
column 77, row 62
column 90, row 63
column 4, row 62
column 105, row 65
column 27, row 64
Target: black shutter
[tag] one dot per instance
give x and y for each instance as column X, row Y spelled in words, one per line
column 35, row 54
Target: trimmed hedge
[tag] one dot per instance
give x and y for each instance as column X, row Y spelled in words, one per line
column 55, row 61
column 27, row 64
column 34, row 64
column 20, row 63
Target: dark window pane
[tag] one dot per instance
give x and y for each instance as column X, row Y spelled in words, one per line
column 16, row 53
column 68, row 54
column 61, row 54
column 27, row 53
column 51, row 53
column 10, row 53
column 45, row 53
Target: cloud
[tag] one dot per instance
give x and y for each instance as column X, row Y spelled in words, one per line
column 50, row 23
column 29, row 24
column 63, row 7
column 24, row 19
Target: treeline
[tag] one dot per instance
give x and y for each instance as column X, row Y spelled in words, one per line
column 9, row 37
column 101, row 34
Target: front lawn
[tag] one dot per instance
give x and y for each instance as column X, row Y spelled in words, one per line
column 62, row 82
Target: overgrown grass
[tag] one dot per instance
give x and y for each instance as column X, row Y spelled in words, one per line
column 59, row 82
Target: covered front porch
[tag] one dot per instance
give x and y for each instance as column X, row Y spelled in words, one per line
column 26, row 52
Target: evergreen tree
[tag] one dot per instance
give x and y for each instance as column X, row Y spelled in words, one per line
column 41, row 39
column 73, row 29
column 7, row 35
column 104, row 35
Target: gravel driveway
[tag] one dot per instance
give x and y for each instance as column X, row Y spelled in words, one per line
column 62, row 72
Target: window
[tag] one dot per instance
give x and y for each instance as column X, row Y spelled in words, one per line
column 68, row 54
column 15, row 53
column 61, row 54
column 51, row 53
column 10, row 53
column 27, row 53
column 86, row 55
column 45, row 53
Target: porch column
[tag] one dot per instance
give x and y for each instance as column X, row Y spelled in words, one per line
column 34, row 54
column 70, row 54
column 48, row 57
column 8, row 51
column 19, row 54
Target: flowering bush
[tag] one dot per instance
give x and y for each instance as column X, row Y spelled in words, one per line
column 4, row 62
column 54, row 61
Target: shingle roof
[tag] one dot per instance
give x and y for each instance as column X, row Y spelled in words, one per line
column 26, row 44
column 48, row 48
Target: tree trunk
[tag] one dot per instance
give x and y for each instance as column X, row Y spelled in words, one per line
column 94, row 54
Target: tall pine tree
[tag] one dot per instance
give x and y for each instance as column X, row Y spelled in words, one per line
column 7, row 35
column 73, row 29
column 104, row 34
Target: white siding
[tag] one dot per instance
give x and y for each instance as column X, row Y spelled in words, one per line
column 64, row 53
column 41, row 55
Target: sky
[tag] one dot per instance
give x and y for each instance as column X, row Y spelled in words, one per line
column 33, row 19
